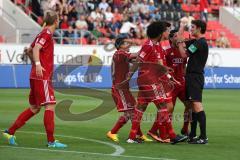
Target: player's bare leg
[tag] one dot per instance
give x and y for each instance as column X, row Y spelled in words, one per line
column 186, row 119
column 20, row 121
column 49, row 127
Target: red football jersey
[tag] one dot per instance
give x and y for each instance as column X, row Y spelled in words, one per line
column 120, row 66
column 150, row 55
column 162, row 54
column 46, row 56
column 176, row 62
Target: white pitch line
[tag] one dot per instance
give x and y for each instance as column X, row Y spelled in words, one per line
column 117, row 153
column 118, row 149
column 89, row 153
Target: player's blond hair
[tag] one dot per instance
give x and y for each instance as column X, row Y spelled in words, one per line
column 49, row 18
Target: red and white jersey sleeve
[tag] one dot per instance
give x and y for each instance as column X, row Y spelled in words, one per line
column 45, row 40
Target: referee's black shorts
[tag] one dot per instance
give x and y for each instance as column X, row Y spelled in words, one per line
column 194, row 87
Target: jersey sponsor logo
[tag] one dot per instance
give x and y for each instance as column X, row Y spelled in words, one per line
column 48, row 32
column 192, row 48
column 177, row 60
column 150, row 43
column 42, row 41
column 142, row 54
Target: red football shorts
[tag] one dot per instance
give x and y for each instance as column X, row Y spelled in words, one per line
column 123, row 99
column 179, row 92
column 41, row 93
column 153, row 93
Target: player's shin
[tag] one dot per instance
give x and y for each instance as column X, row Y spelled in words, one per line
column 201, row 117
column 49, row 124
column 136, row 120
column 21, row 120
column 193, row 125
column 166, row 121
column 155, row 126
column 119, row 124
column 186, row 120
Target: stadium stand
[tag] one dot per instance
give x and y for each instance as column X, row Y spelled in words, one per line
column 97, row 22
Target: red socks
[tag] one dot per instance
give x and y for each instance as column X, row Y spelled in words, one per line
column 121, row 121
column 165, row 124
column 161, row 118
column 139, row 132
column 136, row 120
column 155, row 126
column 49, row 124
column 27, row 114
column 21, row 120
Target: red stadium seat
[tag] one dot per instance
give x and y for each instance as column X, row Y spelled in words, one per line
column 213, row 43
column 2, row 40
column 196, row 8
column 235, row 44
column 186, row 8
column 208, row 35
column 82, row 41
column 216, row 2
column 214, row 35
column 210, row 27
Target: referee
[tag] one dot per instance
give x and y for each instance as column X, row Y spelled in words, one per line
column 197, row 51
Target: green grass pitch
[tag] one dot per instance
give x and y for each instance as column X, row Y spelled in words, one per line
column 87, row 140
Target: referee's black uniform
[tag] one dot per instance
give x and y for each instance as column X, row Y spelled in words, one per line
column 198, row 54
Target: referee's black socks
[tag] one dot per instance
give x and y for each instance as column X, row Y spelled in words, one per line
column 193, row 125
column 201, row 118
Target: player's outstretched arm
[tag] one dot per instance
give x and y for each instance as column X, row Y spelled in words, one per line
column 164, row 69
column 133, row 56
column 181, row 30
column 132, row 70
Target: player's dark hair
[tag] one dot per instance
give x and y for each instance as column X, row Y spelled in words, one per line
column 200, row 24
column 155, row 29
column 119, row 41
column 50, row 17
column 172, row 32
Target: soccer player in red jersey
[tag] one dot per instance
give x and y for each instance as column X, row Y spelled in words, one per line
column 41, row 93
column 178, row 64
column 174, row 60
column 123, row 98
column 150, row 88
